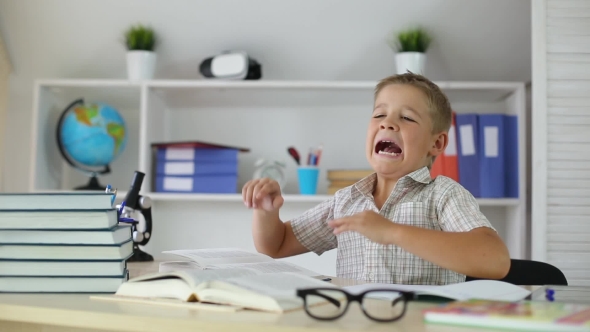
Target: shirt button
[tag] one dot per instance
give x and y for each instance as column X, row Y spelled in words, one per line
column 370, row 275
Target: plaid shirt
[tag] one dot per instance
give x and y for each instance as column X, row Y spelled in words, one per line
column 417, row 200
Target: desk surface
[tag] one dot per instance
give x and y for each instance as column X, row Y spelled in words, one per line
column 62, row 312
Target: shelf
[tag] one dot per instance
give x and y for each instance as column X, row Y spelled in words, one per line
column 290, row 198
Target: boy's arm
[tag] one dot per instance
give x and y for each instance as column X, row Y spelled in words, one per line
column 274, row 238
column 477, row 253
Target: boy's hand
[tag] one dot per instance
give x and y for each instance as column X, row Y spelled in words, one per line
column 368, row 223
column 262, row 194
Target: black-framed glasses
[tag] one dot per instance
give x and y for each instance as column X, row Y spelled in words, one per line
column 382, row 305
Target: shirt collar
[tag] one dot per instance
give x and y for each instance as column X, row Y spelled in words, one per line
column 366, row 185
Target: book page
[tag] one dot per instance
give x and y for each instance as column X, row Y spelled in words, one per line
column 205, row 257
column 477, row 289
column 267, row 267
column 277, row 285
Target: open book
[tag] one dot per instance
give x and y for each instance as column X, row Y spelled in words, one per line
column 229, row 258
column 245, row 288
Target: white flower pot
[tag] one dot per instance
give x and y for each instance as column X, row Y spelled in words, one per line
column 410, row 61
column 141, row 65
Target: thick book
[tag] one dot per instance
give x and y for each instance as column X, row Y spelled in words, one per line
column 16, row 251
column 115, row 235
column 229, row 258
column 516, row 316
column 58, row 219
column 45, row 268
column 244, row 288
column 75, row 200
column 62, row 284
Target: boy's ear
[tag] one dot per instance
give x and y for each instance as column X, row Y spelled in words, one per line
column 439, row 143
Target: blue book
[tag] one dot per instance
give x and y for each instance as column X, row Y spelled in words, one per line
column 196, row 168
column 511, row 155
column 62, row 284
column 468, row 157
column 212, row 184
column 197, row 154
column 491, row 146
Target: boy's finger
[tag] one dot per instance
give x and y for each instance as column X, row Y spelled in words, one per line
column 249, row 191
column 265, row 189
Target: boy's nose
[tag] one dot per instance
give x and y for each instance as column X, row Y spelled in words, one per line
column 389, row 125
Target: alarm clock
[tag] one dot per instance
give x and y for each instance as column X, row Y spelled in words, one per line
column 270, row 169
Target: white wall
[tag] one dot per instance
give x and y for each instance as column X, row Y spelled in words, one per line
column 304, row 39
column 561, row 118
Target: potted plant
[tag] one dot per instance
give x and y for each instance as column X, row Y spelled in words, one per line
column 141, row 57
column 411, row 46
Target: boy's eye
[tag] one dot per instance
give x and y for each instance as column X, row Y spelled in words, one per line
column 408, row 119
column 378, row 116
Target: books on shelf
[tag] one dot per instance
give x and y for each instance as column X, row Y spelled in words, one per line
column 341, row 178
column 482, row 155
column 195, row 167
column 62, row 242
column 517, row 316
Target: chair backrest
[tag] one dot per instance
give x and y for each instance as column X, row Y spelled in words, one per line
column 525, row 272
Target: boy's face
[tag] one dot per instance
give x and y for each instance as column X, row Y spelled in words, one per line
column 400, row 138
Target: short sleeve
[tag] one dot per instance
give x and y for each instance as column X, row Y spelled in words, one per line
column 458, row 211
column 311, row 228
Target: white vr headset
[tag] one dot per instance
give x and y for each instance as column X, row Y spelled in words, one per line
column 231, row 65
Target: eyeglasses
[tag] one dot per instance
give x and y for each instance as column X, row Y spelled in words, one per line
column 382, row 305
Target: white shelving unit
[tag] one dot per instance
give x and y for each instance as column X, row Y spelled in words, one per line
column 265, row 116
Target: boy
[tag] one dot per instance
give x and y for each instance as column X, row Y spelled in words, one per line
column 397, row 225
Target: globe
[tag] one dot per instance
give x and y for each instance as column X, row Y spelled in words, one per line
column 90, row 136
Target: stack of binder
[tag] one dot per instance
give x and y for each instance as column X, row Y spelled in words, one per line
column 195, row 167
column 62, row 243
column 484, row 156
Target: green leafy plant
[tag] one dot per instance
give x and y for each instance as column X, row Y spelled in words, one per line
column 411, row 40
column 140, row 38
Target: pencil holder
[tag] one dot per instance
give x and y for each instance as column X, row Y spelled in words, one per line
column 308, row 179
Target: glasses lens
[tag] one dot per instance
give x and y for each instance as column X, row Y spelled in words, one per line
column 326, row 303
column 384, row 305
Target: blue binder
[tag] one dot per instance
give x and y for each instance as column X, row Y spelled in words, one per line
column 511, row 155
column 468, row 148
column 491, row 147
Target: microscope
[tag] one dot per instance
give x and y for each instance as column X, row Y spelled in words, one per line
column 135, row 202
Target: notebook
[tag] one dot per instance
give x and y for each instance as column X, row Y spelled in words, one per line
column 80, row 200
column 516, row 316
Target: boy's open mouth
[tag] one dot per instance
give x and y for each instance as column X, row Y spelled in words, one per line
column 387, row 148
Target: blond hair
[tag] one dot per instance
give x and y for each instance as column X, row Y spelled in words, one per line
column 438, row 104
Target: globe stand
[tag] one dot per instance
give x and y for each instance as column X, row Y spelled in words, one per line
column 92, row 184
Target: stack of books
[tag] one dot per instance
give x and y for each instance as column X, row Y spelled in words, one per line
column 341, row 178
column 62, row 243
